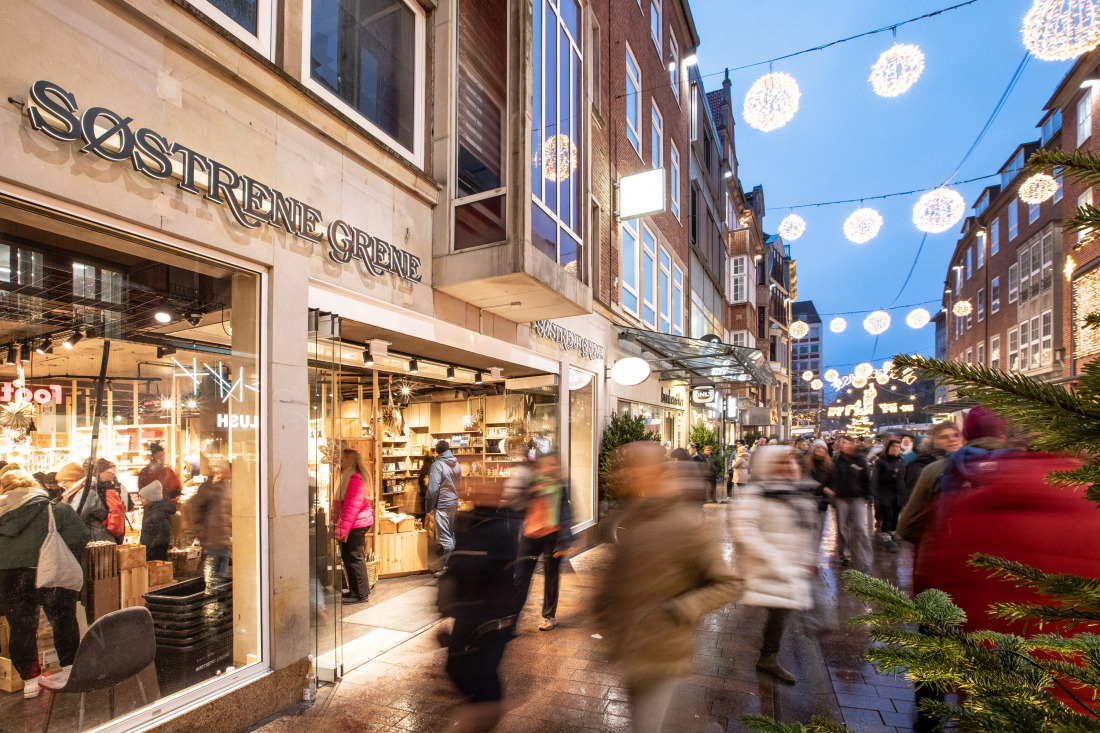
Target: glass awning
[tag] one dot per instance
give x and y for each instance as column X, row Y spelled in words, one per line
column 696, row 360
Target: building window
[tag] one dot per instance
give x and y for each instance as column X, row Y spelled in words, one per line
column 970, row 318
column 969, row 261
column 995, row 352
column 649, row 274
column 1051, row 125
column 1013, row 351
column 677, row 301
column 1013, row 227
column 664, row 291
column 995, row 236
column 674, row 64
column 633, row 102
column 739, row 338
column 1032, row 213
column 981, row 304
column 979, row 246
column 1045, row 353
column 969, row 356
column 1084, row 117
column 981, row 354
column 656, row 138
column 739, row 278
column 594, row 59
column 674, row 180
column 1013, row 283
column 1036, row 361
column 1086, row 300
column 995, row 295
column 1084, row 200
column 248, row 20
column 370, row 57
column 655, row 23
column 1036, row 267
column 556, row 218
column 629, row 233
column 1058, row 191
column 1014, row 167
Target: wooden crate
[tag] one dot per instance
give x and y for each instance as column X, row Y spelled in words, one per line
column 130, row 556
column 403, row 553
column 133, row 584
column 10, row 681
column 160, row 572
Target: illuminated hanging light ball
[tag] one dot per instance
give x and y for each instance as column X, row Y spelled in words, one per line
column 918, row 318
column 882, row 378
column 1057, row 30
column 859, row 382
column 799, row 330
column 962, row 308
column 771, row 102
column 939, row 210
column 1038, row 188
column 896, row 70
column 793, row 227
column 807, row 375
column 888, row 366
column 862, row 225
column 816, row 384
column 877, row 322
column 863, row 370
column 837, row 325
column 559, row 156
column 832, row 375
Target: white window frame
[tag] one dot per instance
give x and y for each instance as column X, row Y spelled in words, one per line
column 652, row 302
column 1032, row 213
column 995, row 352
column 664, row 295
column 1036, row 354
column 656, row 30
column 263, row 42
column 677, row 299
column 1084, row 117
column 969, row 356
column 969, row 261
column 1013, row 283
column 981, row 304
column 656, row 135
column 414, row 156
column 739, row 269
column 636, row 94
column 1058, row 191
column 1046, row 354
column 995, row 295
column 970, row 319
column 1085, row 199
column 674, row 65
column 1013, row 220
column 674, row 180
column 1013, row 351
column 631, row 226
column 995, row 236
column 739, row 338
column 980, row 354
column 980, row 248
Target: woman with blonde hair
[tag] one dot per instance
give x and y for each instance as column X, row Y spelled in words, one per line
column 354, row 515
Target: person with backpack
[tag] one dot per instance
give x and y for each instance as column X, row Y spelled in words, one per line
column 547, row 533
column 101, row 508
column 442, row 499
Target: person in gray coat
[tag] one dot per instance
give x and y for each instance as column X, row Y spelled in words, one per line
column 442, row 499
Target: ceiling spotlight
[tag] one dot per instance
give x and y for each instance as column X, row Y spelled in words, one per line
column 163, row 315
column 477, row 377
column 163, row 351
column 450, row 372
column 46, row 347
column 13, row 354
column 24, row 352
column 368, row 358
column 192, row 404
column 76, row 337
column 414, row 368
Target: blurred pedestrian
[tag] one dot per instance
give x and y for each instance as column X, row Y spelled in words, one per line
column 908, row 448
column 211, row 513
column 774, row 524
column 442, row 499
column 712, row 472
column 852, row 486
column 423, row 476
column 739, row 468
column 665, row 573
column 354, row 516
column 817, row 467
column 547, row 533
column 158, row 487
column 890, row 492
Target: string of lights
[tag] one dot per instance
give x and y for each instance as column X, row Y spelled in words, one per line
column 886, row 195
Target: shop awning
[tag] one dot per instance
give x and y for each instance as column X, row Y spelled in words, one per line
column 697, row 361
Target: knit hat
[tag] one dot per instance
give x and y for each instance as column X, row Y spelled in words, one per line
column 983, row 423
column 102, row 465
column 819, row 443
column 70, row 473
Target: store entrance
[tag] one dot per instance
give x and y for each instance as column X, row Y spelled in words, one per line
column 391, row 399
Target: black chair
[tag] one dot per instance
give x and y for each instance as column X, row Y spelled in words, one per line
column 116, row 647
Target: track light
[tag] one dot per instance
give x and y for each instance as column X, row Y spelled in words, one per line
column 24, row 352
column 163, row 351
column 76, row 337
column 414, row 368
column 13, row 354
column 368, row 358
column 163, row 315
column 450, row 372
column 477, row 377
column 46, row 347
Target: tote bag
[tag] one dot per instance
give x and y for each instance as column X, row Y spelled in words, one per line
column 57, row 567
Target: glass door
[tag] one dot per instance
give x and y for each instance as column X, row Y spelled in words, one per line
column 326, row 573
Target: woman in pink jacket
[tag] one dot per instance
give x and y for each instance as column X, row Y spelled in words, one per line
column 354, row 515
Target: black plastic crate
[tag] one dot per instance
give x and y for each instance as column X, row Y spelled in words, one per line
column 186, row 593
column 179, row 667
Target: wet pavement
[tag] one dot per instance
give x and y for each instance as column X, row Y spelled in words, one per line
column 562, row 680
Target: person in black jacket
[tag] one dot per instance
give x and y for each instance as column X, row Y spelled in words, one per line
column 852, row 486
column 888, row 481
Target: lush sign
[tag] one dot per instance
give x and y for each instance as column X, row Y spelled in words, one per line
column 54, row 112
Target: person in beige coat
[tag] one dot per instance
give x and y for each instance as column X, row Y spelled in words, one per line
column 774, row 525
column 665, row 574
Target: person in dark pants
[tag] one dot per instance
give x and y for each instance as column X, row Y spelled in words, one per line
column 24, row 520
column 547, row 533
column 354, row 516
column 890, row 491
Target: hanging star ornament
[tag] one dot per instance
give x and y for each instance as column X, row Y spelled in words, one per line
column 939, row 210
column 896, row 70
column 1058, row 30
column 793, row 227
column 862, row 225
column 1038, row 188
column 771, row 102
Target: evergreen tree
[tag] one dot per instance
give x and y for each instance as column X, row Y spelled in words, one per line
column 620, row 430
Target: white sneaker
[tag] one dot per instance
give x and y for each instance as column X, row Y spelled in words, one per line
column 31, row 688
column 57, row 680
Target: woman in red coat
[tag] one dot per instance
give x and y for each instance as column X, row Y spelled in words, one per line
column 353, row 515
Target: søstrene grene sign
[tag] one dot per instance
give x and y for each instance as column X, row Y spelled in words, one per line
column 54, row 112
column 568, row 340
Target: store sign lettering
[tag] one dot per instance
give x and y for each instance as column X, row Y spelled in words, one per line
column 569, row 341
column 54, row 112
column 703, row 395
column 238, row 421
column 667, row 398
column 41, row 395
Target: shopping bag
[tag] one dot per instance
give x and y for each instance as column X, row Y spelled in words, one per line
column 57, row 567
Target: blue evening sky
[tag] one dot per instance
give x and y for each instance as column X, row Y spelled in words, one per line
column 847, row 142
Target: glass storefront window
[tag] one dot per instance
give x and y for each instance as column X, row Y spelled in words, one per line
column 137, row 369
column 582, row 408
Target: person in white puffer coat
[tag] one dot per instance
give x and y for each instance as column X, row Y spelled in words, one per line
column 774, row 526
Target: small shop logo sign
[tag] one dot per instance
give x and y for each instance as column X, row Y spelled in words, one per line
column 53, row 112
column 569, row 341
column 42, row 395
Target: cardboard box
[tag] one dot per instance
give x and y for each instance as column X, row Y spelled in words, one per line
column 10, row 681
column 160, row 572
column 103, row 596
column 134, row 584
column 4, row 634
column 130, row 557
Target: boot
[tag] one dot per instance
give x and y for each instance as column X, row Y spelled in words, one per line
column 771, row 665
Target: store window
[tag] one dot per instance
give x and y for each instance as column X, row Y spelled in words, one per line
column 172, row 430
column 369, row 56
column 582, row 410
column 556, row 134
column 481, row 94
